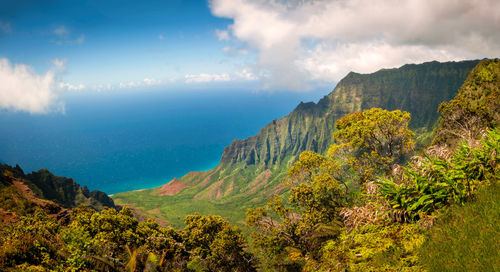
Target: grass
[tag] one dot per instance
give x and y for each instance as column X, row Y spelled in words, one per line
column 466, row 238
column 232, row 207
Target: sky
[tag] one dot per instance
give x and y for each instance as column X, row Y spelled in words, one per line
column 54, row 47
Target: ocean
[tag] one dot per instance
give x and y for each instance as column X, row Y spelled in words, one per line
column 122, row 141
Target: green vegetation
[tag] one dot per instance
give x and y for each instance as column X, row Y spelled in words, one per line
column 468, row 233
column 43, row 184
column 364, row 206
column 116, row 241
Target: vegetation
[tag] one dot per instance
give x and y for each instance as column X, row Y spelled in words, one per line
column 469, row 233
column 365, row 206
column 63, row 191
column 251, row 170
column 116, row 241
column 372, row 141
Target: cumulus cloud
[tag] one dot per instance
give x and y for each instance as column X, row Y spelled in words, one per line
column 22, row 89
column 324, row 40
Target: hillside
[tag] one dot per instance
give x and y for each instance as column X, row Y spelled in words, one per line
column 250, row 170
column 43, row 186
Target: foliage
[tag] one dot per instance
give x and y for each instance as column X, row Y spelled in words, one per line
column 295, row 230
column 433, row 183
column 115, row 241
column 31, row 240
column 374, row 248
column 475, row 108
column 373, row 140
column 466, row 238
column 215, row 245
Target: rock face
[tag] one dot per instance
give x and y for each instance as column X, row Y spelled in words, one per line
column 416, row 88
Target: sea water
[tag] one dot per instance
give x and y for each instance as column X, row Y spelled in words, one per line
column 121, row 141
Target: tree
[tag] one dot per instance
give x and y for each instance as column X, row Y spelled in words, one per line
column 291, row 232
column 372, row 141
column 215, row 245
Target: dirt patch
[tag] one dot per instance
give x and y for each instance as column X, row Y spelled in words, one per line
column 279, row 188
column 8, row 217
column 230, row 189
column 259, row 181
column 54, row 210
column 172, row 188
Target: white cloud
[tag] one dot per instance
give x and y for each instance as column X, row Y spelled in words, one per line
column 204, row 78
column 135, row 84
column 70, row 87
column 65, row 37
column 22, row 89
column 161, row 37
column 61, row 31
column 222, row 35
column 324, row 40
column 246, row 74
column 60, row 64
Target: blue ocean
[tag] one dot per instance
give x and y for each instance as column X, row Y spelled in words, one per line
column 121, row 141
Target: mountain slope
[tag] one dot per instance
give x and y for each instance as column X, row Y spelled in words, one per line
column 250, row 170
column 47, row 187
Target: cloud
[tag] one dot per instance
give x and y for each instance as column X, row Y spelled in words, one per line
column 59, row 64
column 134, row 84
column 80, row 39
column 161, row 37
column 204, row 78
column 65, row 37
column 234, row 51
column 70, row 87
column 246, row 74
column 243, row 75
column 22, row 89
column 297, row 41
column 222, row 35
column 61, row 31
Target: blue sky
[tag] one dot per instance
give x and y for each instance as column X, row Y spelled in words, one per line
column 108, row 42
column 49, row 48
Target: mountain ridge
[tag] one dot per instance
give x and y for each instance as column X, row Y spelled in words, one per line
column 416, row 88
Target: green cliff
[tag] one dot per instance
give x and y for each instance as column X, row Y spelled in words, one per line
column 250, row 170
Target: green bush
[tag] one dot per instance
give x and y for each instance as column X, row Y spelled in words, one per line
column 437, row 182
